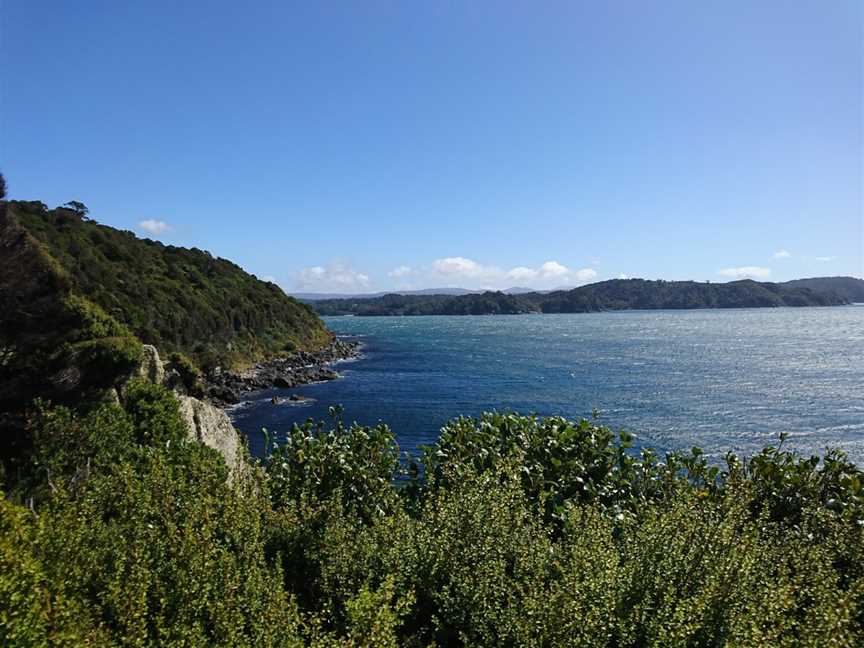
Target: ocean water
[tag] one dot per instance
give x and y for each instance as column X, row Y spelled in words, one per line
column 720, row 379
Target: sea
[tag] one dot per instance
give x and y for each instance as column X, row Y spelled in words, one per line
column 723, row 380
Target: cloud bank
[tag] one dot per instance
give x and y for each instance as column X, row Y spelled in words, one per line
column 334, row 277
column 445, row 272
column 470, row 273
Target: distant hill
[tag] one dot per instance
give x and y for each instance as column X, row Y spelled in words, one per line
column 313, row 297
column 488, row 303
column 309, row 297
column 851, row 288
column 615, row 294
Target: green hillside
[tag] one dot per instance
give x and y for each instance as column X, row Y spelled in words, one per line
column 639, row 294
column 78, row 299
column 616, row 294
column 851, row 288
column 174, row 298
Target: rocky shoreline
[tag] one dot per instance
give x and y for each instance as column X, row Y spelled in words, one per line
column 223, row 387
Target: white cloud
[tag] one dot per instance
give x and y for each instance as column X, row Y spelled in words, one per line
column 400, row 272
column 460, row 267
column 584, row 275
column 746, row 272
column 552, row 269
column 335, row 277
column 782, row 254
column 522, row 274
column 622, row 276
column 825, row 259
column 154, row 226
column 470, row 272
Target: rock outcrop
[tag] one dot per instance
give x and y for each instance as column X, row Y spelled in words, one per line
column 212, row 427
column 151, row 367
column 206, row 423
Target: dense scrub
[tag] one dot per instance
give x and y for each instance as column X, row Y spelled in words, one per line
column 174, row 298
column 616, row 294
column 523, row 532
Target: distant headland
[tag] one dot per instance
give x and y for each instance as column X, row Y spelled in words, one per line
column 615, row 294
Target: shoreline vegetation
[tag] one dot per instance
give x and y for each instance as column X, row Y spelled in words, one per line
column 615, row 294
column 132, row 513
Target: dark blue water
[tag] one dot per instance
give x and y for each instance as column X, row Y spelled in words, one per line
column 719, row 379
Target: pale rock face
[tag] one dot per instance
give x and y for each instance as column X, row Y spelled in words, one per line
column 212, row 427
column 151, row 367
column 206, row 424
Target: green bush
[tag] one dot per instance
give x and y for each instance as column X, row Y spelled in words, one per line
column 105, row 360
column 189, row 373
column 356, row 463
column 126, row 533
column 561, row 462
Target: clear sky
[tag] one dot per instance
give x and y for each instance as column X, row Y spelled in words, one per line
column 358, row 146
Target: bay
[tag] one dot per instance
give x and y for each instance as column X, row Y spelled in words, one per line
column 724, row 380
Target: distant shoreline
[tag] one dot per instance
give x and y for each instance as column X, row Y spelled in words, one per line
column 598, row 312
column 612, row 295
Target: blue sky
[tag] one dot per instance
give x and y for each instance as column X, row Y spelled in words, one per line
column 354, row 146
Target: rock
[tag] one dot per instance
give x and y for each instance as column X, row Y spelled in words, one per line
column 225, row 387
column 66, row 379
column 212, row 427
column 297, row 398
column 151, row 367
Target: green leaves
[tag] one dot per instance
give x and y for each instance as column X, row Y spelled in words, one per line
column 355, row 464
column 562, row 463
column 521, row 531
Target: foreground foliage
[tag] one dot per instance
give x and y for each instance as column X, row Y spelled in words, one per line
column 517, row 531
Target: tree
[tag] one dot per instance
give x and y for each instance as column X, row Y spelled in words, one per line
column 78, row 207
column 2, row 187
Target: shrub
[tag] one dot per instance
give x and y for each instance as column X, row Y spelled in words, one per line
column 138, row 538
column 357, row 463
column 189, row 374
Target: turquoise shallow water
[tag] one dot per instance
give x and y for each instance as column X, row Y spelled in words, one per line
column 720, row 379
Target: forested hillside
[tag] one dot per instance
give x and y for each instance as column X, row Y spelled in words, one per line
column 616, row 294
column 78, row 300
column 850, row 288
column 174, row 298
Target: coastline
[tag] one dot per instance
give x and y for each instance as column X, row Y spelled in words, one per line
column 224, row 388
